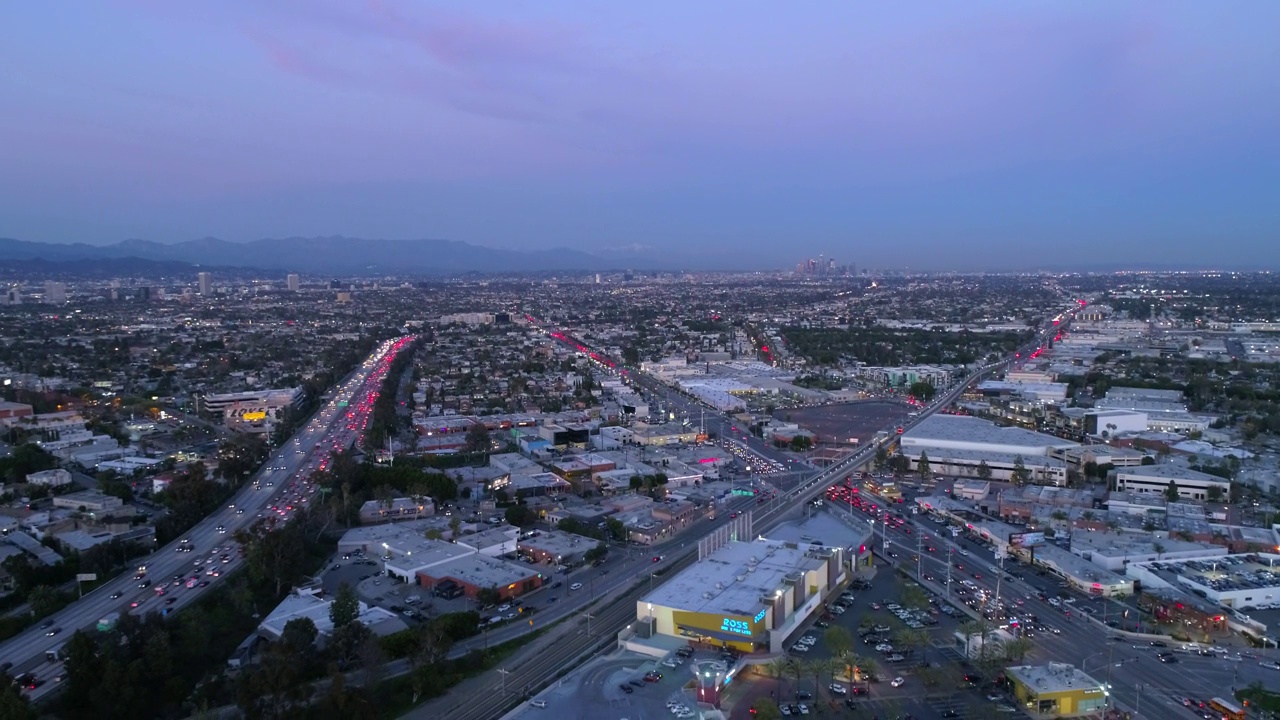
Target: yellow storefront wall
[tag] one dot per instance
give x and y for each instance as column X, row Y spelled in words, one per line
column 1069, row 701
column 722, row 629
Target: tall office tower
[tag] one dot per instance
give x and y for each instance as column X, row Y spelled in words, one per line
column 292, row 281
column 205, row 283
column 55, row 293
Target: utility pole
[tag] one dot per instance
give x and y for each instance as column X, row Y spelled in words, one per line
column 504, row 672
column 919, row 555
column 589, row 618
column 950, row 551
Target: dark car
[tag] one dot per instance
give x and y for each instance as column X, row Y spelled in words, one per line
column 804, row 695
column 1159, row 643
column 637, row 683
column 626, row 688
column 1169, row 659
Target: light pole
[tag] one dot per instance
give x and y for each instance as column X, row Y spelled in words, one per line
column 589, row 618
column 504, row 672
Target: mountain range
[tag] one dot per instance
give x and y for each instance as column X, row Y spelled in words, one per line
column 324, row 255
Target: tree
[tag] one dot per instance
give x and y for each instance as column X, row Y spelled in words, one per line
column 984, row 470
column 43, row 599
column 599, row 552
column 1171, row 493
column 914, row 597
column 1213, row 494
column 1159, row 549
column 299, row 635
column 1016, row 649
column 345, row 608
column 455, row 527
column 922, row 391
column 882, row 457
column 922, row 466
column 478, row 439
column 1020, row 475
column 765, row 709
column 778, row 667
column 837, row 640
column 1148, row 460
column 520, row 516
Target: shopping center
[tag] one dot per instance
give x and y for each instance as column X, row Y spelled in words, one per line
column 745, row 595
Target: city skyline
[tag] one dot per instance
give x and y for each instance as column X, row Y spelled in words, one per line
column 1046, row 137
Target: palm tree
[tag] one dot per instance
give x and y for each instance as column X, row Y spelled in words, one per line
column 912, row 596
column 1016, row 649
column 777, row 667
column 970, row 628
column 911, row 639
column 1159, row 549
column 796, row 669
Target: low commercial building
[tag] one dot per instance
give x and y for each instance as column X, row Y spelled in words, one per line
column 1156, row 479
column 959, row 432
column 556, row 548
column 746, row 595
column 1241, row 582
column 50, row 478
column 310, row 603
column 376, row 511
column 1041, row 469
column 92, row 501
column 1114, row 551
column 475, row 572
column 1056, row 690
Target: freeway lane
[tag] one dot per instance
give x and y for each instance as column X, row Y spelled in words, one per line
column 300, row 456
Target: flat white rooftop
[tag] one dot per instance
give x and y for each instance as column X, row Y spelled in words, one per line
column 960, row 428
column 725, row 582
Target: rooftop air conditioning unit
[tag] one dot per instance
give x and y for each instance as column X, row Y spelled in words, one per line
column 719, row 585
column 740, row 578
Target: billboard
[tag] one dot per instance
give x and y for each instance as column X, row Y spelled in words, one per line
column 1026, row 539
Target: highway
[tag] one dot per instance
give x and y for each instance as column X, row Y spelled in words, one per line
column 1139, row 680
column 207, row 551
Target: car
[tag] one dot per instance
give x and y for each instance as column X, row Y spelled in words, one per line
column 538, row 703
column 626, row 688
column 52, row 631
column 116, row 595
column 1269, row 664
column 838, row 689
column 1168, row 659
column 897, row 682
column 798, row 648
column 576, row 586
column 804, row 695
column 994, row 698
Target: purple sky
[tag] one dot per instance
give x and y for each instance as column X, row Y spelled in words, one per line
column 977, row 134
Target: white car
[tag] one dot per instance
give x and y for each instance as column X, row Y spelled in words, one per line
column 838, row 689
column 897, row 682
column 798, row 648
column 576, row 586
column 538, row 703
column 808, row 640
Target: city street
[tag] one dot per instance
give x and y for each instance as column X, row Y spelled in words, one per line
column 1138, row 679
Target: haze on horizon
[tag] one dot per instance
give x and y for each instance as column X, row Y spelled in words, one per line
column 979, row 135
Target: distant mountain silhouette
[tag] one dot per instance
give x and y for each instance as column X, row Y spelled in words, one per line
column 328, row 255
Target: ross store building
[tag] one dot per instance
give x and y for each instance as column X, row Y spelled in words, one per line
column 749, row 596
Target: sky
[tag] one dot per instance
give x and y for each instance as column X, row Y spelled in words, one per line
column 955, row 134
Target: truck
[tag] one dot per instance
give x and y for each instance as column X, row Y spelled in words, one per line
column 108, row 622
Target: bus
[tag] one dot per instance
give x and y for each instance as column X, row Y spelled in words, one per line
column 1229, row 710
column 883, row 489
